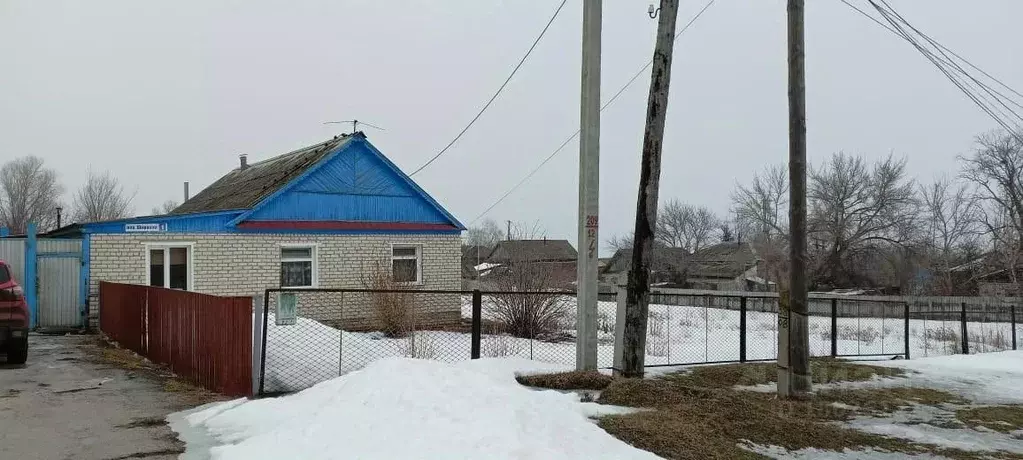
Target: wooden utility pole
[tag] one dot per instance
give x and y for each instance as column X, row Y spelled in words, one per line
column 793, row 327
column 589, row 189
column 638, row 288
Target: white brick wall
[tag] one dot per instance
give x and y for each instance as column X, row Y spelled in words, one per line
column 236, row 264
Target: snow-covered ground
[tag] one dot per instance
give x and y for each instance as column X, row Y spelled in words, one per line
column 409, row 409
column 309, row 352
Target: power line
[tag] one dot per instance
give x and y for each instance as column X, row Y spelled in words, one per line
column 946, row 50
column 947, row 66
column 951, row 62
column 498, row 92
column 897, row 21
column 573, row 136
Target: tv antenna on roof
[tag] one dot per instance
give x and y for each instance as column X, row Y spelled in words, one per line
column 355, row 124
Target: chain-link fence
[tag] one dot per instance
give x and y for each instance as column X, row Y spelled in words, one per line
column 314, row 335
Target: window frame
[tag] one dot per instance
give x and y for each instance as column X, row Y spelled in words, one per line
column 314, row 258
column 418, row 258
column 166, row 246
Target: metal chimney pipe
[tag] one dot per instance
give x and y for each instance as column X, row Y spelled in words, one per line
column 244, row 160
column 186, row 191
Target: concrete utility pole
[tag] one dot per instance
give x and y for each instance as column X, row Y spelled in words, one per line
column 589, row 190
column 638, row 288
column 793, row 327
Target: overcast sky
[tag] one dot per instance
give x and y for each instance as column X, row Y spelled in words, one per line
column 164, row 92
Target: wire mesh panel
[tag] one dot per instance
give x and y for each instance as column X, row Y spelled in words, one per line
column 935, row 328
column 761, row 328
column 316, row 335
column 536, row 326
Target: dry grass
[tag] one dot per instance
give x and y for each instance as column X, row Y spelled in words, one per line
column 188, row 393
column 689, row 422
column 698, row 415
column 576, row 380
column 887, row 400
column 1005, row 419
column 823, row 370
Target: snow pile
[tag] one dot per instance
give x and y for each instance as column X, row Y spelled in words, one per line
column 410, row 409
column 817, row 454
column 987, row 378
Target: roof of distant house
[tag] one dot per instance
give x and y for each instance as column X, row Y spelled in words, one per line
column 533, row 251
column 722, row 260
column 662, row 259
column 245, row 187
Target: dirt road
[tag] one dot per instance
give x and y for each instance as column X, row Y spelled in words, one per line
column 71, row 402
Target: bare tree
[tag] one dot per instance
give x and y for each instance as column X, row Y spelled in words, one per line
column 952, row 223
column 681, row 225
column 486, row 234
column 102, row 197
column 996, row 168
column 619, row 242
column 855, row 209
column 29, row 192
column 762, row 206
column 165, row 208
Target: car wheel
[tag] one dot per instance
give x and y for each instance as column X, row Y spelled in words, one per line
column 17, row 352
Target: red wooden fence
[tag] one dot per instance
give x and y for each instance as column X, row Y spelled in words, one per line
column 203, row 338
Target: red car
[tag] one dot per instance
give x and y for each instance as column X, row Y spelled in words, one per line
column 13, row 318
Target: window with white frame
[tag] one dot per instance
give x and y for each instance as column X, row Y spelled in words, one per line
column 298, row 266
column 169, row 265
column 406, row 264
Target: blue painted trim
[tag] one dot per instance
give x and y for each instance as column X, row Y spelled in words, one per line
column 83, row 282
column 59, row 255
column 422, row 193
column 163, row 218
column 344, row 232
column 4, row 232
column 308, row 172
column 31, row 294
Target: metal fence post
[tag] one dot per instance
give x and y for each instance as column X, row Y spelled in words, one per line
column 962, row 321
column 1012, row 319
column 262, row 356
column 742, row 329
column 477, row 322
column 257, row 341
column 834, row 328
column 905, row 331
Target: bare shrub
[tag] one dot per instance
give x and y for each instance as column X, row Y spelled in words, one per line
column 995, row 340
column 539, row 312
column 657, row 324
column 420, row 345
column 395, row 310
column 657, row 346
column 866, row 335
column 605, row 324
column 941, row 334
column 499, row 346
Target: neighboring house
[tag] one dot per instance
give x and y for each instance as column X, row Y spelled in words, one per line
column 473, row 255
column 532, row 251
column 555, row 258
column 728, row 266
column 331, row 215
column 667, row 265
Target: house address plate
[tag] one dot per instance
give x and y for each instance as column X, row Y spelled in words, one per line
column 145, row 228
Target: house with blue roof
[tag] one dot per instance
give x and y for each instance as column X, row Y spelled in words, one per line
column 332, row 215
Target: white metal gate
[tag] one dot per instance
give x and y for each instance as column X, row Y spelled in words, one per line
column 12, row 251
column 59, row 273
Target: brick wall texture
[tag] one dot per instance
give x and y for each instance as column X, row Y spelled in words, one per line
column 233, row 264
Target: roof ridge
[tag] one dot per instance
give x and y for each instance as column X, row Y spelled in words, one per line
column 300, row 150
